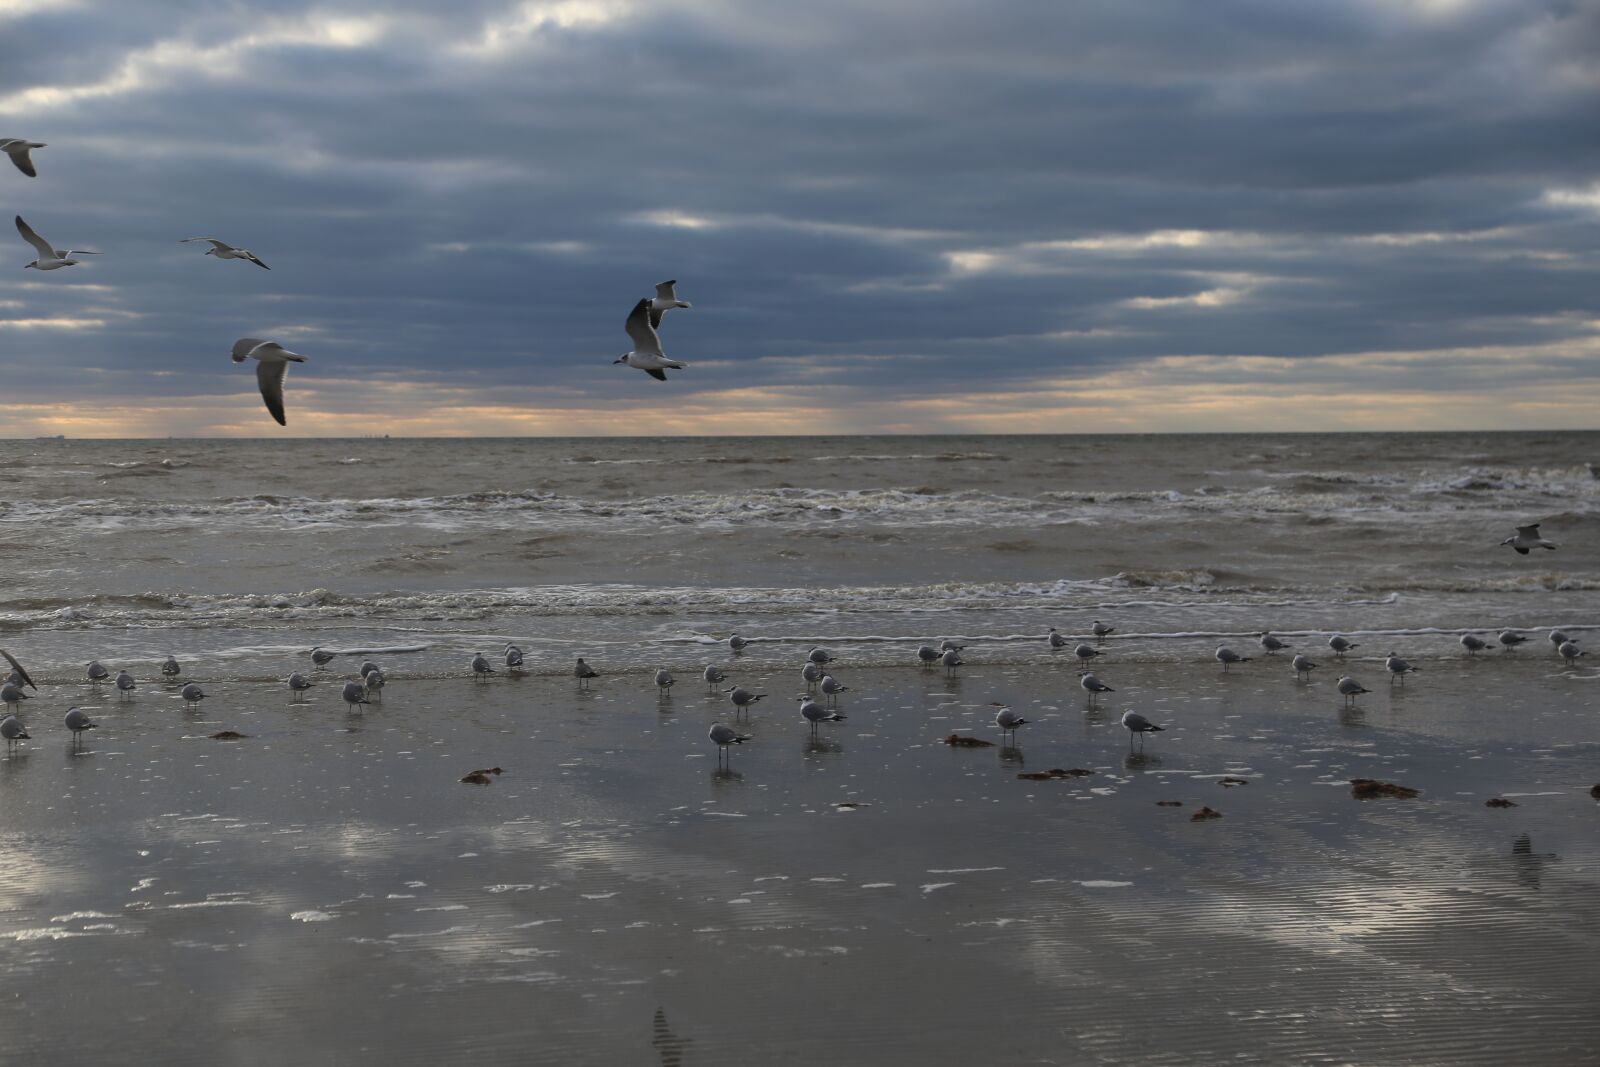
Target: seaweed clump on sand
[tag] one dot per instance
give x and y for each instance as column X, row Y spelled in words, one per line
column 963, row 741
column 1205, row 813
column 480, row 777
column 1371, row 788
column 227, row 735
column 1499, row 802
column 1055, row 772
column 1169, row 803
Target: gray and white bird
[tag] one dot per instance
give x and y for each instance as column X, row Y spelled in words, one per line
column 78, row 721
column 665, row 681
column 583, row 672
column 736, row 643
column 666, row 299
column 815, row 713
column 1557, row 639
column 811, row 673
column 946, row 645
column 321, row 657
column 1569, row 651
column 927, row 655
column 11, row 693
column 1085, row 653
column 481, row 669
column 95, row 672
column 12, row 730
column 646, row 355
column 713, row 676
column 1510, row 639
column 223, row 250
column 50, row 257
column 513, row 657
column 1340, row 645
column 1092, row 685
column 170, row 667
column 192, row 694
column 1138, row 726
column 374, row 682
column 820, row 656
column 831, row 688
column 1055, row 639
column 1527, row 539
column 1349, row 688
column 1474, row 644
column 18, row 149
column 951, row 660
column 743, row 698
column 366, row 668
column 722, row 735
column 1008, row 721
column 1100, row 629
column 1226, row 656
column 298, row 684
column 355, row 694
column 1397, row 668
column 1302, row 665
column 125, row 683
column 1270, row 643
column 17, row 670
column 272, row 364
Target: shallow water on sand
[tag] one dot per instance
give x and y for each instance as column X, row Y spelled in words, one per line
column 325, row 889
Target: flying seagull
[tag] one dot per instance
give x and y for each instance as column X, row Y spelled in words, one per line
column 646, row 354
column 1527, row 536
column 50, row 258
column 18, row 150
column 666, row 299
column 272, row 363
column 223, row 250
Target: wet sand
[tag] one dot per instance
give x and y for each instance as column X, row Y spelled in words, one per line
column 326, row 890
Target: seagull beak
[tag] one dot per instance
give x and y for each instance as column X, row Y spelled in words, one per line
column 619, row 359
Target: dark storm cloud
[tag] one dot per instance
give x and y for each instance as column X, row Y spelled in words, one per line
column 917, row 200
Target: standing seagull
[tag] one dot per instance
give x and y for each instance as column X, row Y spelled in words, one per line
column 1270, row 643
column 298, row 684
column 951, row 660
column 742, row 699
column 171, row 668
column 192, row 694
column 722, row 735
column 1527, row 536
column 1225, row 655
column 272, row 363
column 321, row 656
column 77, row 721
column 1055, row 638
column 821, row 657
column 815, row 713
column 1100, row 629
column 1569, row 651
column 1008, row 721
column 1341, row 645
column 1349, row 688
column 1510, row 639
column 481, row 668
column 583, row 672
column 812, row 675
column 513, row 658
column 13, row 731
column 374, row 681
column 227, row 251
column 1302, row 665
column 11, row 693
column 1397, row 668
column 1474, row 644
column 1092, row 685
column 1138, row 726
column 927, row 655
column 713, row 676
column 125, row 684
column 50, row 258
column 736, row 643
column 646, row 355
column 18, row 150
column 665, row 681
column 666, row 299
column 355, row 694
column 1557, row 639
column 1085, row 653
column 831, row 688
column 95, row 672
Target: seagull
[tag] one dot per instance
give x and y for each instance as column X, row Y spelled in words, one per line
column 272, row 363
column 1092, row 685
column 1138, row 726
column 812, row 673
column 18, row 150
column 1510, row 639
column 815, row 713
column 50, row 258
column 722, row 735
column 16, row 668
column 298, row 684
column 1340, row 646
column 1100, row 629
column 821, row 657
column 1569, row 651
column 946, row 645
column 736, row 642
column 1349, row 688
column 513, row 657
column 666, row 299
column 77, row 721
column 951, row 660
column 1397, row 668
column 583, row 672
column 742, row 698
column 1557, row 639
column 1055, row 639
column 1270, row 643
column 1474, row 645
column 831, row 688
column 665, row 681
column 13, row 731
column 125, row 683
column 223, row 250
column 170, row 668
column 927, row 655
column 1008, row 721
column 1302, row 665
column 1086, row 652
column 1527, row 536
column 355, row 694
column 646, row 354
column 481, row 668
column 192, row 694
column 95, row 672
column 713, row 676
column 1225, row 655
column 367, row 667
column 321, row 657
column 11, row 693
column 374, row 681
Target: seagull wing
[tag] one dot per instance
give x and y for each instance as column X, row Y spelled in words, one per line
column 66, row 253
column 665, row 291
column 35, row 240
column 244, row 346
column 655, row 318
column 657, row 373
column 18, row 668
column 251, row 256
column 219, row 245
column 639, row 329
column 1528, row 531
column 270, row 375
column 20, row 157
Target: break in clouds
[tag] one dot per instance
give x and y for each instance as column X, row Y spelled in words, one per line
column 901, row 216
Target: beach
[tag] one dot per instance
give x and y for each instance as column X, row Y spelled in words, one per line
column 326, row 888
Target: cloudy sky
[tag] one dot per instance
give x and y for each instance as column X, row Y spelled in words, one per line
column 908, row 215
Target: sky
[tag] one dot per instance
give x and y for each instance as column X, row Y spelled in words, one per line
column 909, row 216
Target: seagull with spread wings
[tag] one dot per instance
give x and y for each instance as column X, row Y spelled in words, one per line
column 50, row 257
column 646, row 355
column 18, row 148
column 223, row 250
column 1527, row 538
column 665, row 300
column 272, row 363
